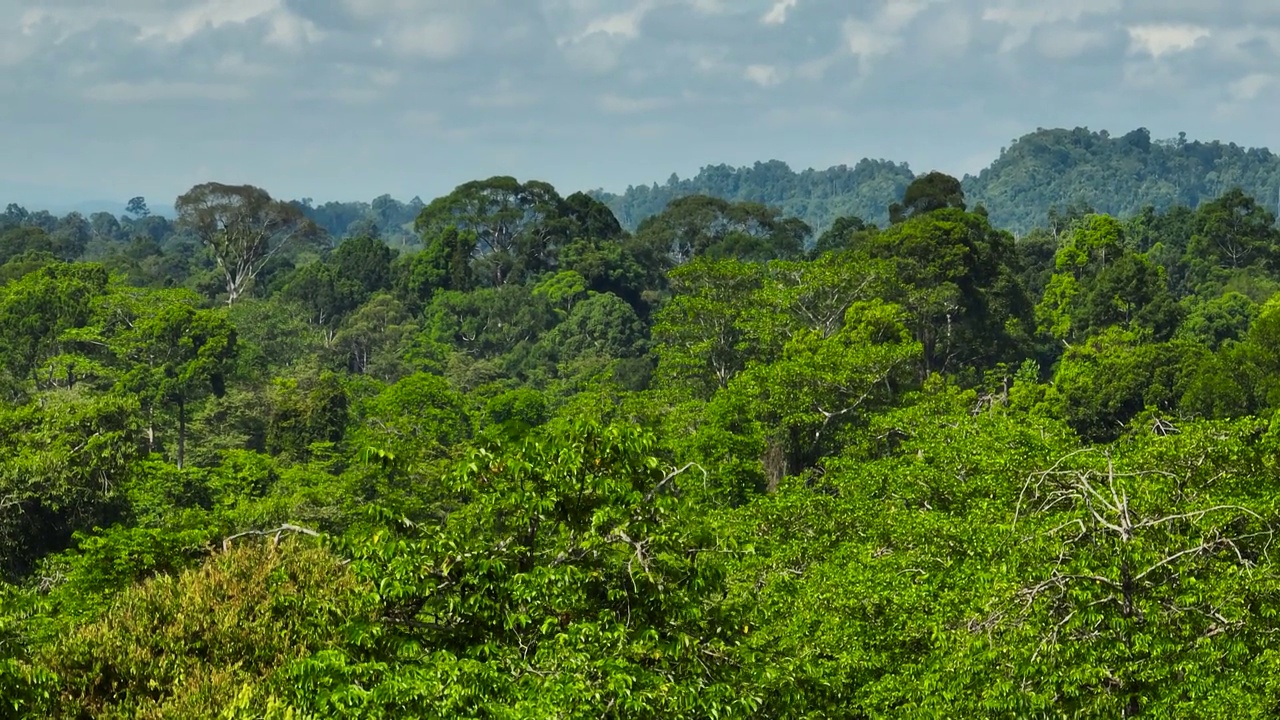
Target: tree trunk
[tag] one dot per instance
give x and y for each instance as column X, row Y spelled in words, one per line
column 777, row 463
column 182, row 431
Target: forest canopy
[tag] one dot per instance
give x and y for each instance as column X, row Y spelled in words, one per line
column 987, row 447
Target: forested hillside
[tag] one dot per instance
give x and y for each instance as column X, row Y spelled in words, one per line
column 816, row 196
column 1040, row 171
column 509, row 459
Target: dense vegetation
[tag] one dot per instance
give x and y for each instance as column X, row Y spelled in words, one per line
column 525, row 463
column 1118, row 175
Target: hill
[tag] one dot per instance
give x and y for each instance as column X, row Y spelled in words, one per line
column 1047, row 168
column 816, row 196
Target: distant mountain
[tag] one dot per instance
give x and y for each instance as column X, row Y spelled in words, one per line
column 1041, row 170
column 816, row 196
column 1116, row 175
column 89, row 207
column 61, row 201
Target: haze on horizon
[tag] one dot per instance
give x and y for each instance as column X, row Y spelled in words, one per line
column 349, row 99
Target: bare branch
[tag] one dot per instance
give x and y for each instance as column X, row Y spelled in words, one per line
column 276, row 533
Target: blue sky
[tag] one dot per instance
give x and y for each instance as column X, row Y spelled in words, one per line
column 349, row 99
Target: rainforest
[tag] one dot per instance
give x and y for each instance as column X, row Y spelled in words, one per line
column 855, row 443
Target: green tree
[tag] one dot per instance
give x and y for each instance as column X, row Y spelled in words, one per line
column 700, row 225
column 597, row 591
column 326, row 295
column 699, row 333
column 65, row 461
column 365, row 261
column 959, row 279
column 243, row 228
column 515, row 225
column 137, row 207
column 39, row 308
column 929, row 192
column 174, row 355
column 840, row 236
column 1234, row 231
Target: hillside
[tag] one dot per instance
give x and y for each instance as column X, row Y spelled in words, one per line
column 816, row 196
column 1117, row 175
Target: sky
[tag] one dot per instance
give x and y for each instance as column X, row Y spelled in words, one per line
column 350, row 99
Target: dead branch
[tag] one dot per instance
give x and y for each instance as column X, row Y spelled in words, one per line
column 672, row 476
column 275, row 533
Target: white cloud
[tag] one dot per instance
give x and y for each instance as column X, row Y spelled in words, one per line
column 597, row 44
column 286, row 27
column 615, row 104
column 764, row 75
column 440, row 38
column 624, row 24
column 777, row 15
column 947, row 33
column 871, row 38
column 1066, row 42
column 1249, row 87
column 865, row 40
column 503, row 94
column 360, row 72
column 710, row 7
column 1022, row 17
column 236, row 65
column 1163, row 39
column 289, row 30
column 153, row 90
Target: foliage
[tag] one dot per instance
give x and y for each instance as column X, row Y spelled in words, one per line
column 499, row 455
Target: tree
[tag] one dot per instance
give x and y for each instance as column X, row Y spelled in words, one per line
column 71, row 236
column 63, row 461
column 444, row 264
column 105, row 227
column 700, row 334
column 327, row 296
column 243, row 228
column 1099, row 283
column 365, row 260
column 371, row 339
column 1234, row 231
column 822, row 382
column 590, row 218
column 14, row 215
column 601, row 325
column 933, row 191
column 515, row 225
column 175, row 353
column 840, row 236
column 701, row 225
column 19, row 240
column 137, row 207
column 598, row 588
column 1147, row 573
column 1214, row 321
column 38, row 309
column 959, row 278
column 1130, row 292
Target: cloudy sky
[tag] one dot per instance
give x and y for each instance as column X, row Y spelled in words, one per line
column 348, row 99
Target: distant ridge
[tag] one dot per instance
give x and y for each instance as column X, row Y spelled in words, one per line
column 1041, row 170
column 1044, row 169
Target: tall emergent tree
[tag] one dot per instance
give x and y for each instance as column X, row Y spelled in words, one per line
column 176, row 353
column 517, row 226
column 138, row 207
column 243, row 227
